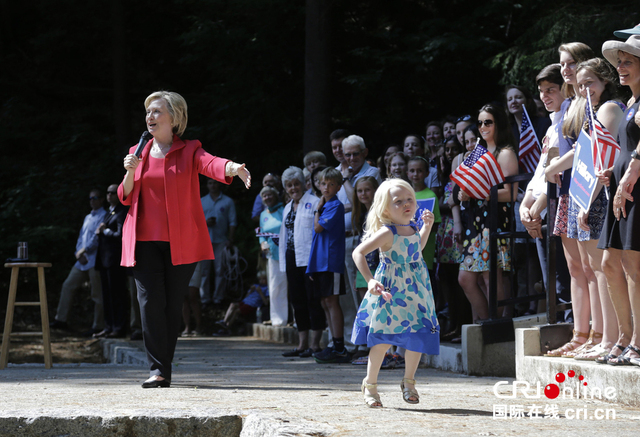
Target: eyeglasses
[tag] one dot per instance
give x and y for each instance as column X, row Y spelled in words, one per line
column 112, row 192
column 485, row 122
column 94, row 198
column 352, row 155
column 463, row 118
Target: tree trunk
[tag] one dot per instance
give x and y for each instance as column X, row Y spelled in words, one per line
column 120, row 101
column 317, row 103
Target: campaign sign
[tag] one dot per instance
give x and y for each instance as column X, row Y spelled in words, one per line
column 583, row 175
column 422, row 205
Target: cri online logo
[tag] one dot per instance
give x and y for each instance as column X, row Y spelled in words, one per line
column 553, row 390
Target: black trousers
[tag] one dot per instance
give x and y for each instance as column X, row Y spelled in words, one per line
column 307, row 309
column 161, row 290
column 115, row 298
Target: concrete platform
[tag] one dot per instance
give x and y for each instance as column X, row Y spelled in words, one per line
column 240, row 386
column 533, row 367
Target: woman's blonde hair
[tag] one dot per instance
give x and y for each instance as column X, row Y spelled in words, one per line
column 176, row 105
column 377, row 217
column 580, row 52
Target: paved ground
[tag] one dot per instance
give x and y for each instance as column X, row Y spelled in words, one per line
column 242, row 377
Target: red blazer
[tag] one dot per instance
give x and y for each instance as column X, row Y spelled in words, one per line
column 188, row 232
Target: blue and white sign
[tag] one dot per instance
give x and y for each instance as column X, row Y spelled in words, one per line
column 584, row 183
column 422, row 205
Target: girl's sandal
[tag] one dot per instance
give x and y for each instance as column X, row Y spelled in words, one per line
column 592, row 354
column 623, row 359
column 568, row 347
column 610, row 355
column 594, row 339
column 408, row 393
column 369, row 398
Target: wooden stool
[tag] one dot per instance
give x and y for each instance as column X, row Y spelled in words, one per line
column 11, row 303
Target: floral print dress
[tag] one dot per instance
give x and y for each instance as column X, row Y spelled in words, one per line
column 409, row 318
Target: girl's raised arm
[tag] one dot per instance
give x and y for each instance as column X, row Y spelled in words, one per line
column 427, row 218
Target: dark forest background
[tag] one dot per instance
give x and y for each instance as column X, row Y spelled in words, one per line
column 74, row 75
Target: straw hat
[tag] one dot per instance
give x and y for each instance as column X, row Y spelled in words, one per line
column 625, row 33
column 610, row 49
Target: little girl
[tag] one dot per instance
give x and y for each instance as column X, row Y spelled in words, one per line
column 398, row 308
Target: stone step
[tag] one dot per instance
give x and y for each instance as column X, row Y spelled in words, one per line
column 533, row 367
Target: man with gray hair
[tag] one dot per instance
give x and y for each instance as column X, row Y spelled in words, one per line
column 355, row 166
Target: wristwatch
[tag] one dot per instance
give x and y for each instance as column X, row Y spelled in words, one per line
column 635, row 155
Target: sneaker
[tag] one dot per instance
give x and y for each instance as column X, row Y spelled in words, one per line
column 330, row 355
column 388, row 362
column 399, row 361
column 292, row 353
column 309, row 352
column 361, row 361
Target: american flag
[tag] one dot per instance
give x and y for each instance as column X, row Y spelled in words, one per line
column 529, row 146
column 478, row 173
column 605, row 148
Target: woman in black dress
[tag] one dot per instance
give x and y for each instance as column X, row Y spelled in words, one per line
column 621, row 234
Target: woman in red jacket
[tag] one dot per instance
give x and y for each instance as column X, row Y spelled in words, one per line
column 165, row 232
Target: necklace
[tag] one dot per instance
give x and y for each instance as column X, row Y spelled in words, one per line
column 162, row 149
column 397, row 224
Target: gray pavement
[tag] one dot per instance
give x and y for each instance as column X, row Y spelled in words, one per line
column 242, row 386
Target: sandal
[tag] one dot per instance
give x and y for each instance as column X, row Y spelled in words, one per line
column 592, row 354
column 605, row 359
column 408, row 393
column 623, row 360
column 369, row 398
column 594, row 339
column 568, row 347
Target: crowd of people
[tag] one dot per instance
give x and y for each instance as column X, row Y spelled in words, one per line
column 598, row 244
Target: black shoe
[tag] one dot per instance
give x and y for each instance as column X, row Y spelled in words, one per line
column 57, row 324
column 292, row 353
column 116, row 334
column 155, row 384
column 101, row 334
column 307, row 353
column 222, row 333
column 89, row 333
column 137, row 335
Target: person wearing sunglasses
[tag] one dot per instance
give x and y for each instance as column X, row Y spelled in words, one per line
column 493, row 127
column 84, row 269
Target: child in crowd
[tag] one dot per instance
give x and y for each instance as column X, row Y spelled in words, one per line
column 315, row 181
column 398, row 308
column 364, row 191
column 314, row 159
column 397, row 167
column 257, row 296
column 326, row 263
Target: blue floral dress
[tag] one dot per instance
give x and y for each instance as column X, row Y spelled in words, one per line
column 409, row 318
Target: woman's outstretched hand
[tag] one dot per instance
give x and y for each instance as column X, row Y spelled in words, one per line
column 244, row 174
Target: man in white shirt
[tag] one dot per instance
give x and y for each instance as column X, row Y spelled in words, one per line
column 533, row 207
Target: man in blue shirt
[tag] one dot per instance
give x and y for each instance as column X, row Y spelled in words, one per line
column 326, row 263
column 84, row 269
